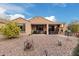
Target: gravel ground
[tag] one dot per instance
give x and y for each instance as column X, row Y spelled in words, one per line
column 42, row 43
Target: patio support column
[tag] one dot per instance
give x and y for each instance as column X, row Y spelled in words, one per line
column 47, row 29
column 55, row 29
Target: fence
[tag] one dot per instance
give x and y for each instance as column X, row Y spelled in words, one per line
column 72, row 34
column 76, row 34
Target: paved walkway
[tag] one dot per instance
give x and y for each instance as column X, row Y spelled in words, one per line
column 41, row 42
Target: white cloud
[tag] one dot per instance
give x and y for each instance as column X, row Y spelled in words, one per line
column 4, row 16
column 29, row 18
column 60, row 4
column 16, row 16
column 13, row 9
column 51, row 18
column 2, row 13
column 17, row 8
column 7, row 7
column 2, row 10
column 10, row 8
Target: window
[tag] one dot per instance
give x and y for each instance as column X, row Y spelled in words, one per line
column 22, row 26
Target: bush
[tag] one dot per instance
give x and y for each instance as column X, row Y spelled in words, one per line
column 76, row 51
column 28, row 45
column 74, row 27
column 10, row 30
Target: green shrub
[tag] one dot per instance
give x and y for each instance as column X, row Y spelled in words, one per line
column 74, row 27
column 76, row 51
column 10, row 30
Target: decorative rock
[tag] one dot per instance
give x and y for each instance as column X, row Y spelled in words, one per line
column 46, row 52
column 59, row 43
column 28, row 45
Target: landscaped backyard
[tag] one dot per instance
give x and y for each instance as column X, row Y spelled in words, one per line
column 43, row 44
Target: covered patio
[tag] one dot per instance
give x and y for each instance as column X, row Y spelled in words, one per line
column 45, row 28
column 54, row 28
column 38, row 28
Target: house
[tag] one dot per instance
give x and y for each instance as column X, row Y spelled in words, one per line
column 39, row 25
column 2, row 22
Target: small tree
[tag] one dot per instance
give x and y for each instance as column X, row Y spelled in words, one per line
column 10, row 30
column 74, row 27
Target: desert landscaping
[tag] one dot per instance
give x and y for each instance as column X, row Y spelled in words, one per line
column 41, row 40
column 42, row 45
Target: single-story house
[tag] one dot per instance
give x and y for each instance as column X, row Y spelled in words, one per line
column 39, row 25
column 2, row 22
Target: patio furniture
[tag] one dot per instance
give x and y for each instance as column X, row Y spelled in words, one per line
column 68, row 33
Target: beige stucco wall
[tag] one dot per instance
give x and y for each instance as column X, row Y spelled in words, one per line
column 27, row 25
column 64, row 27
column 2, row 24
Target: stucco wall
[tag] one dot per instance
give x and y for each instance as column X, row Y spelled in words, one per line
column 65, row 27
column 27, row 24
column 2, row 24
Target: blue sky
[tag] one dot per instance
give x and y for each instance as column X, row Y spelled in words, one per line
column 60, row 12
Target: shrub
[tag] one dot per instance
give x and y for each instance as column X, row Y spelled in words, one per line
column 74, row 27
column 76, row 51
column 28, row 45
column 10, row 30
